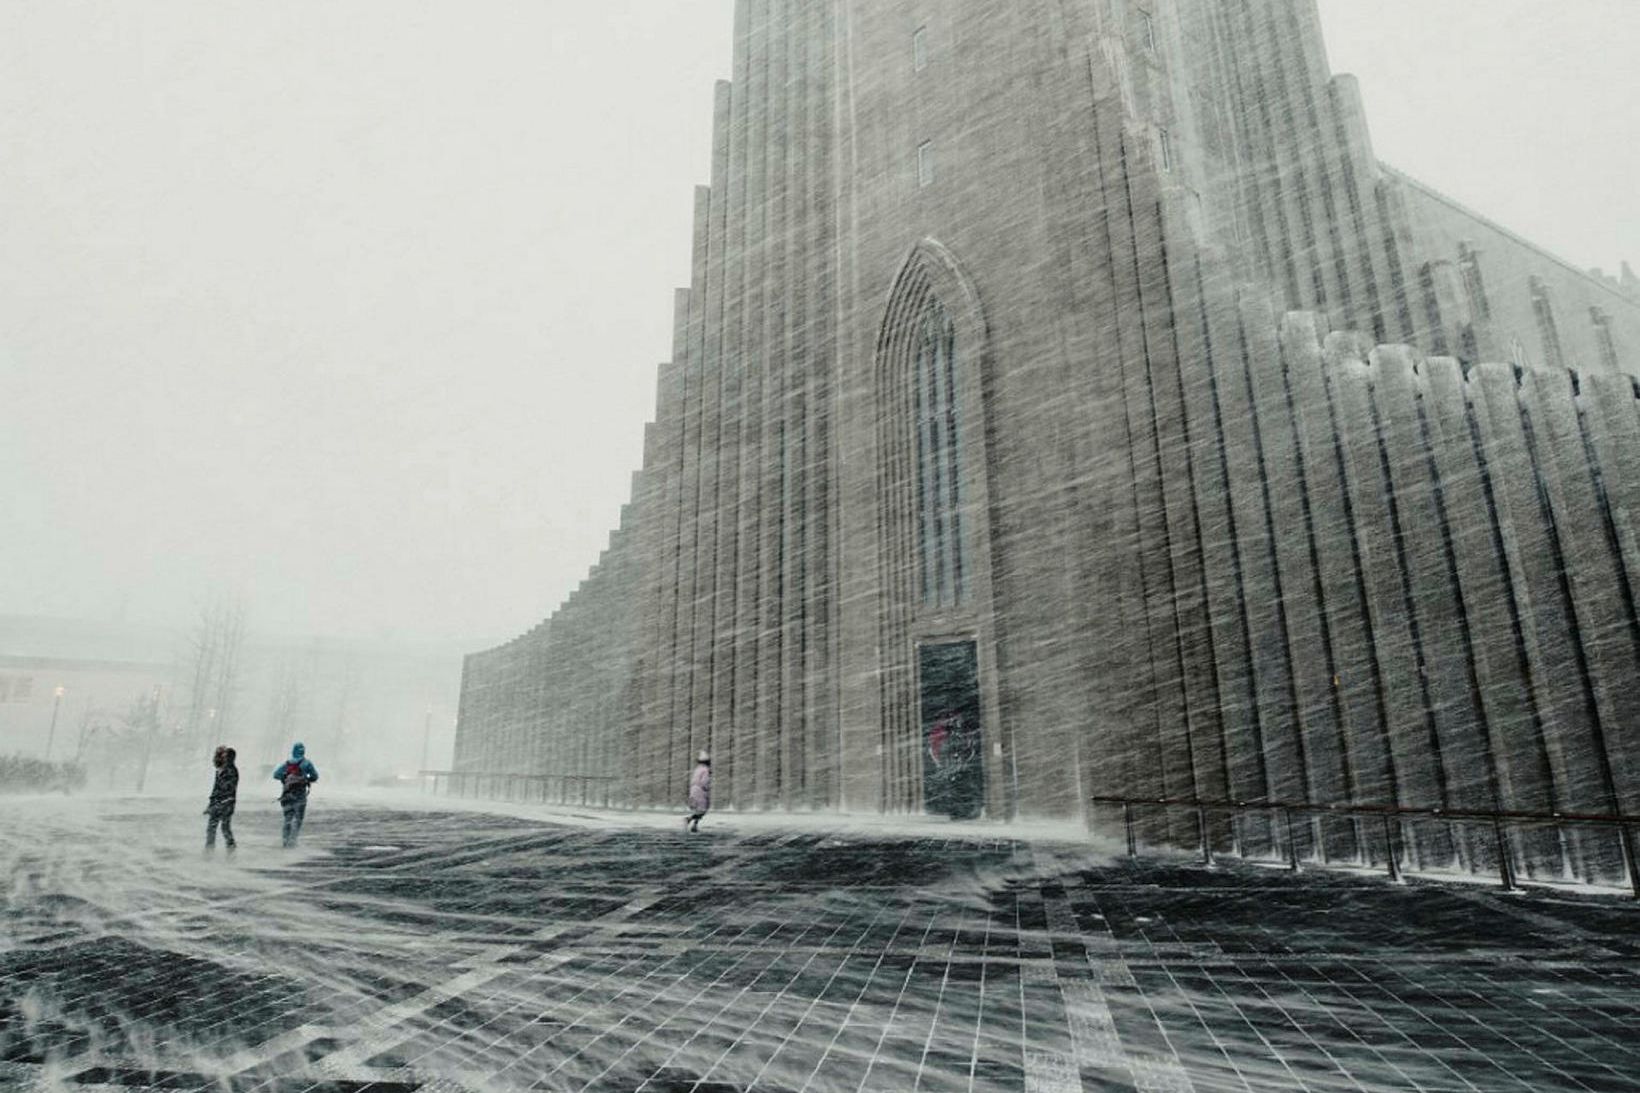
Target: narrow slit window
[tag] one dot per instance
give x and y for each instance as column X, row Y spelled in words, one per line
column 1603, row 337
column 1474, row 284
column 1147, row 27
column 925, row 163
column 1164, row 150
column 1548, row 331
column 940, row 493
column 919, row 48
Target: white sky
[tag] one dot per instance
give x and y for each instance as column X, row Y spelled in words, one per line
column 355, row 307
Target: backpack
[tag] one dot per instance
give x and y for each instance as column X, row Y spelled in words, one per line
column 295, row 780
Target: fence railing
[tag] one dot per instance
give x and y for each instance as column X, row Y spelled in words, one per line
column 1391, row 818
column 591, row 790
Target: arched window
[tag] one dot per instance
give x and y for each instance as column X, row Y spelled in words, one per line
column 933, row 528
column 941, row 551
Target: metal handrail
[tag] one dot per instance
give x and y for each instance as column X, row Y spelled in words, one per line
column 1499, row 819
column 513, row 779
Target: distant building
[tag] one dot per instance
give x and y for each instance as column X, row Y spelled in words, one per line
column 1006, row 454
column 365, row 708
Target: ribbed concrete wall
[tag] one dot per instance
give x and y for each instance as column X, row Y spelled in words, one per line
column 560, row 700
column 1419, row 586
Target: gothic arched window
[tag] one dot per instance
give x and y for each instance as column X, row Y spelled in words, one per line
column 941, row 554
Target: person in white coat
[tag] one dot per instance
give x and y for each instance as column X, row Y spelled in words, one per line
column 700, row 792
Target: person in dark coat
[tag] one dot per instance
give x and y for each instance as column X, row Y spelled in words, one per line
column 700, row 792
column 224, row 795
column 294, row 775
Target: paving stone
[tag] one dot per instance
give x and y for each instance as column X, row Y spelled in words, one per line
column 491, row 954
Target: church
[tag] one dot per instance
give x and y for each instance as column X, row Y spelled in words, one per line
column 1067, row 403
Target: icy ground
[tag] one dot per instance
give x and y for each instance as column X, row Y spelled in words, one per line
column 419, row 947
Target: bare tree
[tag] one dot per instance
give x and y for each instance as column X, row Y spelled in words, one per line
column 213, row 651
column 287, row 698
column 347, row 685
column 230, row 624
column 92, row 722
column 142, row 723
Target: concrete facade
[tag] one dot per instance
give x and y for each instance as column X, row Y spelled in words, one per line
column 1010, row 330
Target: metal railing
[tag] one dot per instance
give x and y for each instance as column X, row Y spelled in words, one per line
column 1391, row 818
column 589, row 790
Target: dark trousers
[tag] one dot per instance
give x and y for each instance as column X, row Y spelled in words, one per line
column 294, row 811
column 211, row 822
column 693, row 822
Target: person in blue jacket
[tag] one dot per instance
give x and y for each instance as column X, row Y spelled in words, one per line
column 295, row 775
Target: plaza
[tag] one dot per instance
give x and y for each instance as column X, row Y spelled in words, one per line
column 409, row 945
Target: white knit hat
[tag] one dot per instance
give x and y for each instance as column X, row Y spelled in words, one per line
column 704, row 758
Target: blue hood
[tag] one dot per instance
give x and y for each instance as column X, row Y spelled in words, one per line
column 297, row 751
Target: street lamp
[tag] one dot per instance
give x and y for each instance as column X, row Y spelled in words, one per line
column 51, row 734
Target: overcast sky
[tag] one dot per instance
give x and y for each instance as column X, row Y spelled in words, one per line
column 355, row 307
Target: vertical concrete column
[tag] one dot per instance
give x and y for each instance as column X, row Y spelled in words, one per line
column 722, row 732
column 1280, row 189
column 735, row 702
column 1564, row 704
column 667, row 666
column 1313, row 751
column 1362, row 763
column 1216, row 401
column 763, row 632
column 659, row 510
column 1394, row 224
column 1416, row 775
column 816, row 368
column 1604, row 627
column 1120, row 748
column 1080, row 599
column 538, row 695
column 1160, row 240
column 1358, row 179
column 1266, row 538
column 1296, row 60
column 783, row 699
column 706, row 731
column 1611, row 421
column 670, row 654
column 1515, row 743
column 650, row 602
column 1256, row 198
column 1350, row 272
column 888, row 499
column 489, row 722
column 1159, row 707
column 782, row 431
column 855, row 642
column 477, row 711
column 463, row 739
column 1439, row 629
column 703, row 381
column 676, row 564
column 1253, row 774
column 822, row 672
column 1225, row 636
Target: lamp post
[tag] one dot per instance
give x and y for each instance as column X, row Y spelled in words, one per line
column 51, row 734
